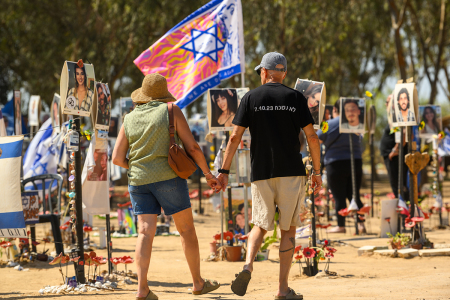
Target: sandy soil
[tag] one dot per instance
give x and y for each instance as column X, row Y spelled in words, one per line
column 359, row 277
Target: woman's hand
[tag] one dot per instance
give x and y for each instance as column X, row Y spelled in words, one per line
column 213, row 182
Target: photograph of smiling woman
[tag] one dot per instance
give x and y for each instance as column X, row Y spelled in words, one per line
column 313, row 95
column 224, row 105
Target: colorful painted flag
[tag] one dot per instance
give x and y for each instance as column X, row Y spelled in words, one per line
column 199, row 52
column 12, row 222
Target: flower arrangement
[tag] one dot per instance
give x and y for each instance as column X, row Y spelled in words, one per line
column 398, row 241
column 314, row 253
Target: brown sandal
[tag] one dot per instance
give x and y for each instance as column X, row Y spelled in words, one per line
column 291, row 295
column 150, row 296
column 209, row 286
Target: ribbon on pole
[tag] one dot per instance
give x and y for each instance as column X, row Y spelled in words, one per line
column 199, row 52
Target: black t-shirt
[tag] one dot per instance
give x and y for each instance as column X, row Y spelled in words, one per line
column 275, row 114
column 387, row 142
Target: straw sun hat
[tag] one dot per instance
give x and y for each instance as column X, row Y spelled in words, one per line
column 154, row 88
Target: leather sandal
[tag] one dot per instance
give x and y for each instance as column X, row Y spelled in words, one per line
column 240, row 284
column 208, row 286
column 291, row 295
column 150, row 296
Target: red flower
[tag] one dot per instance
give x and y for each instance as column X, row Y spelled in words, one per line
column 344, row 212
column 321, row 214
column 75, row 259
column 417, row 219
column 326, row 226
column 243, row 238
column 388, row 219
column 331, row 249
column 427, row 216
column 28, row 233
column 329, row 255
column 87, row 228
column 24, row 241
column 309, row 252
column 228, row 235
column 92, row 254
column 217, row 236
column 81, row 262
column 297, row 257
column 35, row 243
column 63, row 227
column 297, row 249
column 319, row 226
column 80, row 63
column 410, row 224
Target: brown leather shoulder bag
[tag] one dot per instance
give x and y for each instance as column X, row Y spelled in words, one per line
column 179, row 161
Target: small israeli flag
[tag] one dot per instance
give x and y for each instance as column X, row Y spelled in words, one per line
column 12, row 222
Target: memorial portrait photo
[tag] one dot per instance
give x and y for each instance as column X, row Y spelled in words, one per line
column 100, row 172
column 55, row 109
column 352, row 115
column 222, row 107
column 312, row 91
column 80, row 88
column 103, row 106
column 328, row 113
column 432, row 118
column 404, row 105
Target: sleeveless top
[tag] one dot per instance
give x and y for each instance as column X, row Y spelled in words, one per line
column 147, row 132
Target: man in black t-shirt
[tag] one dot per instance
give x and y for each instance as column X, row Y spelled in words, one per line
column 275, row 115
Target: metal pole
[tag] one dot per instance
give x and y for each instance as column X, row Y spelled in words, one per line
column 221, row 218
column 79, row 207
column 246, row 185
column 401, row 158
column 411, row 180
column 200, row 212
column 230, row 208
column 108, row 242
column 352, row 163
column 372, row 163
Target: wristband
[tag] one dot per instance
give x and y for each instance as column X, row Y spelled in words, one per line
column 223, row 171
column 207, row 173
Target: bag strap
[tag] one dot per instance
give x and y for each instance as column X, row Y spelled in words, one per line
column 171, row 126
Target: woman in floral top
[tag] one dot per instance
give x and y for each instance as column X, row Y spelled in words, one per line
column 81, row 91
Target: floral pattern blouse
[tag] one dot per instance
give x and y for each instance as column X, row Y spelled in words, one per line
column 87, row 101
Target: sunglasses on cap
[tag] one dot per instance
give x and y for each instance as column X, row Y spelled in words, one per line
column 274, row 69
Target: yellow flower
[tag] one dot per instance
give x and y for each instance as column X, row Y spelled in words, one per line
column 369, row 94
column 421, row 125
column 394, row 129
column 322, row 258
column 324, row 126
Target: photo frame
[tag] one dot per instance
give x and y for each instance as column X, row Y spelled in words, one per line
column 352, row 113
column 56, row 113
column 34, row 110
column 390, row 112
column 103, row 112
column 328, row 112
column 126, row 106
column 315, row 94
column 113, row 127
column 431, row 115
column 77, row 80
column 100, row 171
column 222, row 105
column 406, row 104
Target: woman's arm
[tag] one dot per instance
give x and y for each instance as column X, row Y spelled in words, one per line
column 119, row 156
column 191, row 146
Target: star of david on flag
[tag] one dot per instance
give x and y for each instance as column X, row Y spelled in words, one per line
column 199, row 52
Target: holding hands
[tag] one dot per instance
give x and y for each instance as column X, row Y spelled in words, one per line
column 213, row 182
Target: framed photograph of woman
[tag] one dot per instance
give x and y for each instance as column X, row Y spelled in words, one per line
column 34, row 110
column 77, row 88
column 352, row 115
column 432, row 117
column 55, row 113
column 103, row 106
column 222, row 106
column 406, row 104
column 315, row 94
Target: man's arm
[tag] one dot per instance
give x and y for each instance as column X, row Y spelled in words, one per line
column 232, row 146
column 314, row 150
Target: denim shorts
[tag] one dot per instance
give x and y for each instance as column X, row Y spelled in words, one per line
column 171, row 195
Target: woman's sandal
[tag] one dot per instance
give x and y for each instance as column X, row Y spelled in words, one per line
column 240, row 284
column 209, row 286
column 150, row 296
column 290, row 295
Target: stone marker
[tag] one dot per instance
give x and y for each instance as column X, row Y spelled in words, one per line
column 369, row 249
column 441, row 246
column 434, row 252
column 406, row 253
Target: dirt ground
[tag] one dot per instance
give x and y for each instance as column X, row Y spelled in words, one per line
column 359, row 277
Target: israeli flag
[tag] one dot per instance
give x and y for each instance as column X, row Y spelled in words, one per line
column 42, row 155
column 12, row 222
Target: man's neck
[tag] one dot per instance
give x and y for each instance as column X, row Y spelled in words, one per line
column 404, row 113
column 273, row 81
column 354, row 124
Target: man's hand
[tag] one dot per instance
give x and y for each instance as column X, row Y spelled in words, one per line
column 214, row 183
column 393, row 154
column 223, row 178
column 316, row 182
